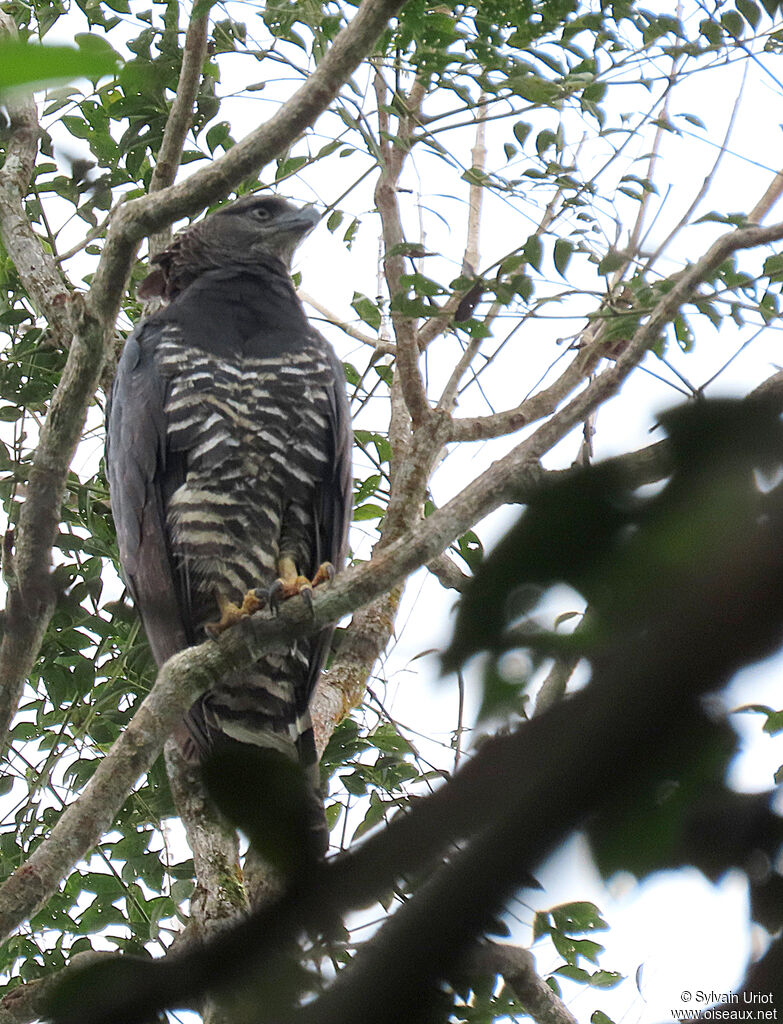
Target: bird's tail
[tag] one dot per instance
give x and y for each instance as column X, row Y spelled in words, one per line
column 262, row 707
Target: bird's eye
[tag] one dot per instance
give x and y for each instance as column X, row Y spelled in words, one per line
column 262, row 213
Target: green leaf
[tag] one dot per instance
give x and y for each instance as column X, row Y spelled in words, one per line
column 534, row 251
column 605, row 979
column 521, row 131
column 574, row 973
column 564, row 249
column 773, row 267
column 544, row 140
column 368, row 310
column 749, row 11
column 734, row 23
column 575, row 918
column 26, row 63
column 611, row 262
column 364, row 512
column 334, row 220
column 711, row 30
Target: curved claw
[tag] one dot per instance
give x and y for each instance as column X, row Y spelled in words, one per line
column 273, row 595
column 283, row 589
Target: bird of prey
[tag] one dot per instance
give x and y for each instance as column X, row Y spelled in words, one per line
column 228, row 458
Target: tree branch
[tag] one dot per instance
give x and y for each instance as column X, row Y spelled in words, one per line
column 27, row 1003
column 180, row 116
column 344, row 685
column 30, row 600
column 607, row 383
column 349, row 329
column 517, row 968
column 392, row 159
column 35, row 265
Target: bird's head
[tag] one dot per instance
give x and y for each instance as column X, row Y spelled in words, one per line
column 253, row 229
column 259, row 225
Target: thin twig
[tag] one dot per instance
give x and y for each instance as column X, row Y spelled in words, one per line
column 706, row 184
column 349, row 329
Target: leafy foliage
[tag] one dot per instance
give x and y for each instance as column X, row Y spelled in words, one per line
column 565, row 171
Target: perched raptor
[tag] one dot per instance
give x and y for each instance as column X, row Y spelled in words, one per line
column 228, row 457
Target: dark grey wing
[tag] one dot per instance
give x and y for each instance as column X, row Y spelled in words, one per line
column 142, row 475
column 333, row 504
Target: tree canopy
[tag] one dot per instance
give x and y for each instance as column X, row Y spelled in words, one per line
column 533, row 223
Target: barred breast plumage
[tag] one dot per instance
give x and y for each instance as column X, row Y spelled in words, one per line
column 235, row 420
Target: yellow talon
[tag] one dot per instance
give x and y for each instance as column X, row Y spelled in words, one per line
column 231, row 614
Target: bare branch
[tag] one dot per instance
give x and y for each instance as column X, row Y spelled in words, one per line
column 470, row 260
column 342, row 688
column 352, row 332
column 660, row 128
column 180, row 116
column 768, row 200
column 477, row 428
column 392, row 158
column 448, row 573
column 478, row 157
column 607, row 383
column 91, row 235
column 35, row 265
column 706, row 184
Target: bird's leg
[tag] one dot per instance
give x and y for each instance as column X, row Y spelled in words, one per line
column 231, row 613
column 290, row 583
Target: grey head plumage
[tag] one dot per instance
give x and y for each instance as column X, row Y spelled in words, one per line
column 254, row 230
